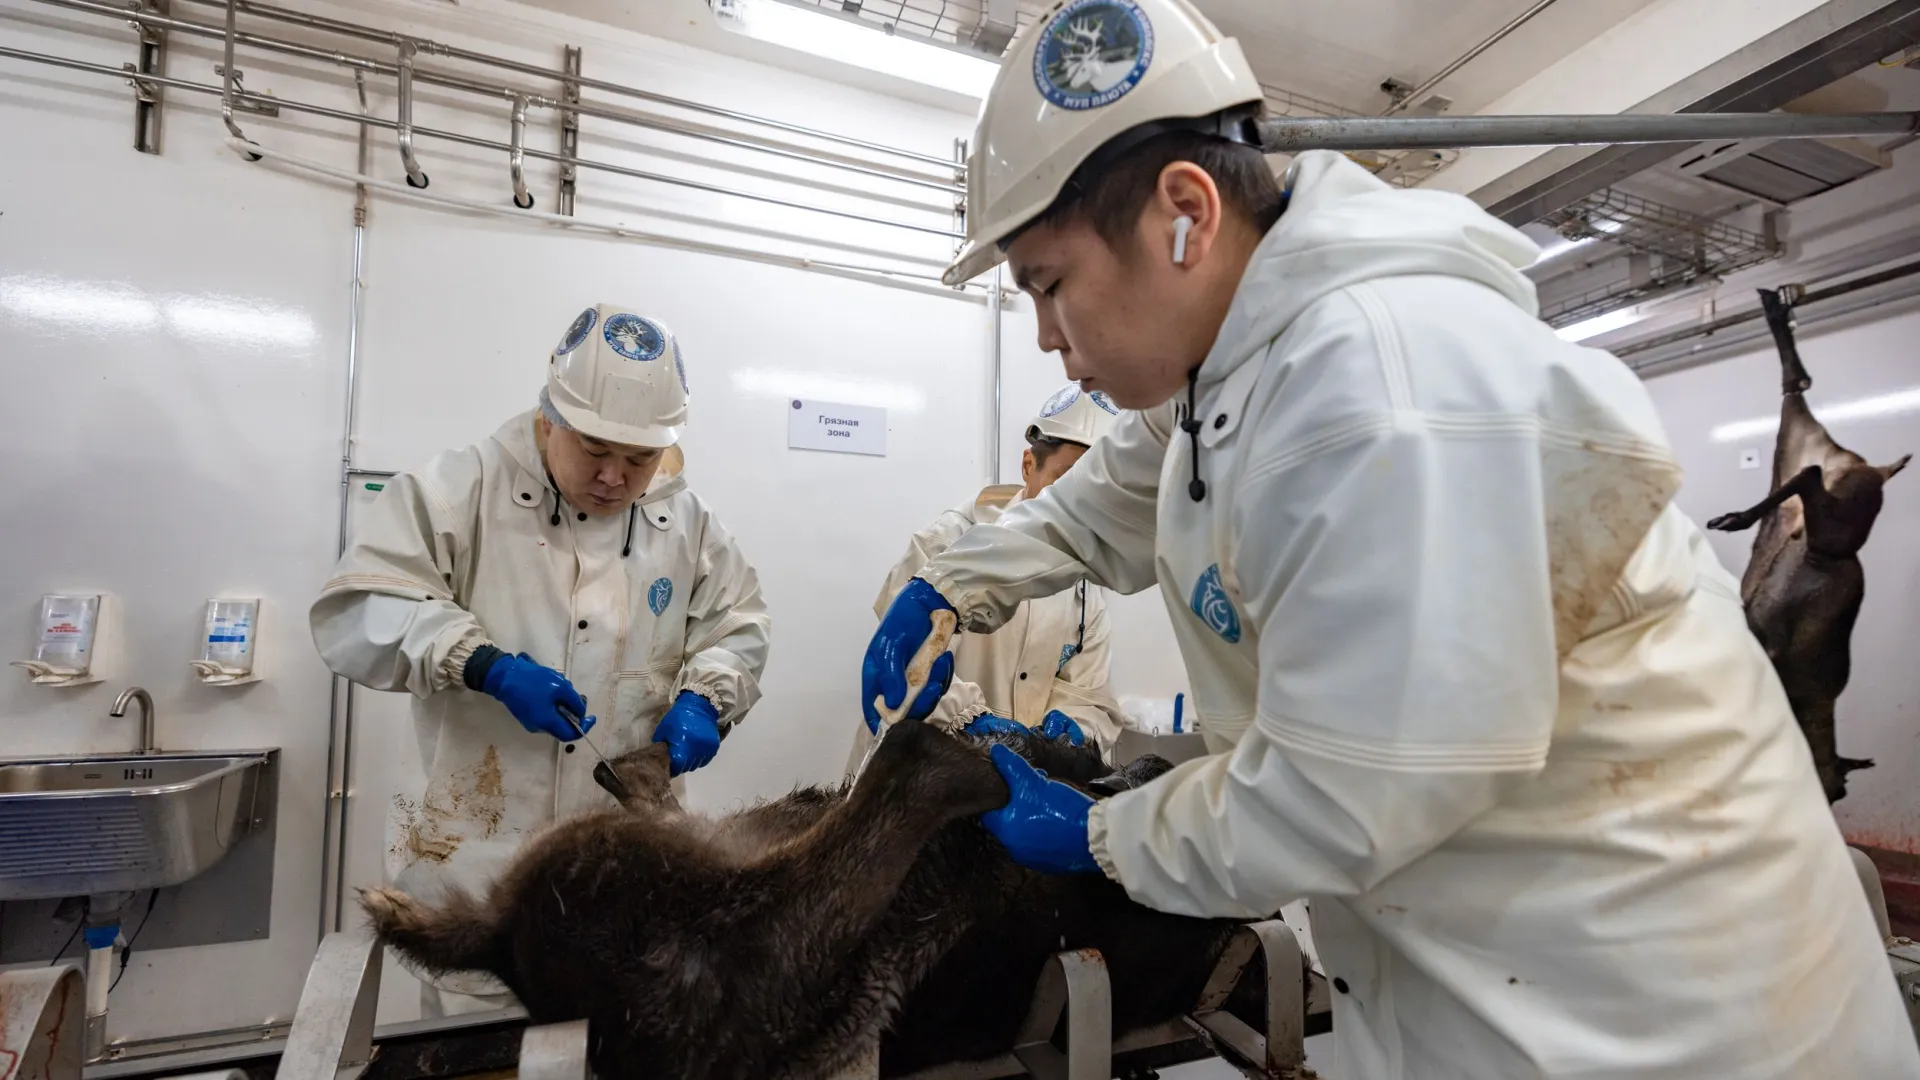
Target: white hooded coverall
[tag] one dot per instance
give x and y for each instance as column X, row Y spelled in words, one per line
column 1474, row 687
column 462, row 551
column 1050, row 654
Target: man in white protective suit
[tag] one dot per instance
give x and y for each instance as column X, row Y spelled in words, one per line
column 1045, row 669
column 1475, row 688
column 512, row 586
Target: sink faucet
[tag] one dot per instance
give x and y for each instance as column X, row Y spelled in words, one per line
column 139, row 694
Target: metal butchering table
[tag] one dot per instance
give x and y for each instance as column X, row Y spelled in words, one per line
column 333, row 1035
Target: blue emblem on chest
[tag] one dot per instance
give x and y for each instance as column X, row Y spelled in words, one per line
column 1211, row 604
column 659, row 595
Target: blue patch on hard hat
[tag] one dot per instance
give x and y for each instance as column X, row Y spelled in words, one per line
column 1101, row 399
column 1092, row 53
column 659, row 595
column 635, row 338
column 680, row 365
column 577, row 333
column 1059, row 402
column 1213, row 606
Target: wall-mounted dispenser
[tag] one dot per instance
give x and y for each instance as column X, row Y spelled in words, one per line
column 227, row 646
column 70, row 634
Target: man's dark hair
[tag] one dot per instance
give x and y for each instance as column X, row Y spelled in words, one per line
column 1043, row 447
column 1111, row 188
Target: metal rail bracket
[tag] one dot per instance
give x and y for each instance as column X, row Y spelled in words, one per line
column 332, row 1035
column 41, row 1013
column 1074, row 984
column 569, row 132
column 153, row 61
column 1280, row 1052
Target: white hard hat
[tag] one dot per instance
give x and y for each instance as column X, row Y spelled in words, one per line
column 1075, row 416
column 619, row 377
column 1085, row 73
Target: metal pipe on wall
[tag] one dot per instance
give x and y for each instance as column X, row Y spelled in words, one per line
column 1292, row 134
column 993, row 350
column 1414, row 95
column 161, row 21
column 434, row 48
column 469, row 140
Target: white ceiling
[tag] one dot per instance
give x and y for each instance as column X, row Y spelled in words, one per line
column 1341, row 50
column 1338, row 51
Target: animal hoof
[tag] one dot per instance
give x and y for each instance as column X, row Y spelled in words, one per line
column 386, row 907
column 1729, row 523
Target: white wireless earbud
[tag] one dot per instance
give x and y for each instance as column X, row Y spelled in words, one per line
column 1182, row 225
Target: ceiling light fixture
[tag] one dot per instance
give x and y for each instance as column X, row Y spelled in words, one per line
column 1600, row 324
column 852, row 42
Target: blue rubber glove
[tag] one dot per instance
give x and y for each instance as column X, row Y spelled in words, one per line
column 989, row 724
column 534, row 694
column 903, row 630
column 691, row 730
column 1058, row 725
column 1044, row 824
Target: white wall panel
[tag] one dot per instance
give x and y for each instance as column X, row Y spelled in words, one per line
column 175, row 328
column 1879, row 714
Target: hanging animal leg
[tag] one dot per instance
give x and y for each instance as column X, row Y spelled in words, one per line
column 1817, row 724
column 1805, row 482
column 1779, row 311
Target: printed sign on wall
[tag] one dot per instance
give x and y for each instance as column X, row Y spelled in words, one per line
column 844, row 429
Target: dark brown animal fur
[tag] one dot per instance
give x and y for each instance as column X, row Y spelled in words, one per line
column 1803, row 584
column 780, row 941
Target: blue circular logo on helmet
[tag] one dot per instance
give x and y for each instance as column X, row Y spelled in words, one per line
column 1061, row 401
column 1101, row 399
column 578, row 332
column 1092, row 53
column 635, row 338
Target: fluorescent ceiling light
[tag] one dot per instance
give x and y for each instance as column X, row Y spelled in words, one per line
column 849, row 42
column 1561, row 247
column 1600, row 324
column 847, row 390
column 1899, row 401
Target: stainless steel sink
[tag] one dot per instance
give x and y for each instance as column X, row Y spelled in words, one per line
column 121, row 822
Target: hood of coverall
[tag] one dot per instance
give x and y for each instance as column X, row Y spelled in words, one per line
column 1344, row 226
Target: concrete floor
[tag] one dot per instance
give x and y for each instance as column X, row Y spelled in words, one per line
column 1319, row 1055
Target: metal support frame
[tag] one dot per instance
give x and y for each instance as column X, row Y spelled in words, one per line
column 554, row 1052
column 1280, row 1050
column 332, row 1035
column 1416, row 95
column 569, row 130
column 41, row 1014
column 147, row 95
column 1292, row 134
column 1073, row 985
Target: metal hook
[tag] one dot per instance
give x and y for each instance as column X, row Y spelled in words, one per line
column 416, row 177
column 229, row 82
column 517, row 156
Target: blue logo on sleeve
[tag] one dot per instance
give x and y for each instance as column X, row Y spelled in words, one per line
column 659, row 595
column 1212, row 605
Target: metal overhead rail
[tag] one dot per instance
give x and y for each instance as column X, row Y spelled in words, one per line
column 429, row 47
column 1292, row 134
column 245, row 97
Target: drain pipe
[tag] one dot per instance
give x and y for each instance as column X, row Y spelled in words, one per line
column 993, row 323
column 333, row 841
column 100, row 942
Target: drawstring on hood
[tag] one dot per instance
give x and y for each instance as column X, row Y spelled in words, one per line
column 1191, row 425
column 633, row 515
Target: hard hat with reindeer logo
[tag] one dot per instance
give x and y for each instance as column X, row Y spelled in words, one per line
column 1084, row 74
column 618, row 376
column 1075, row 415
